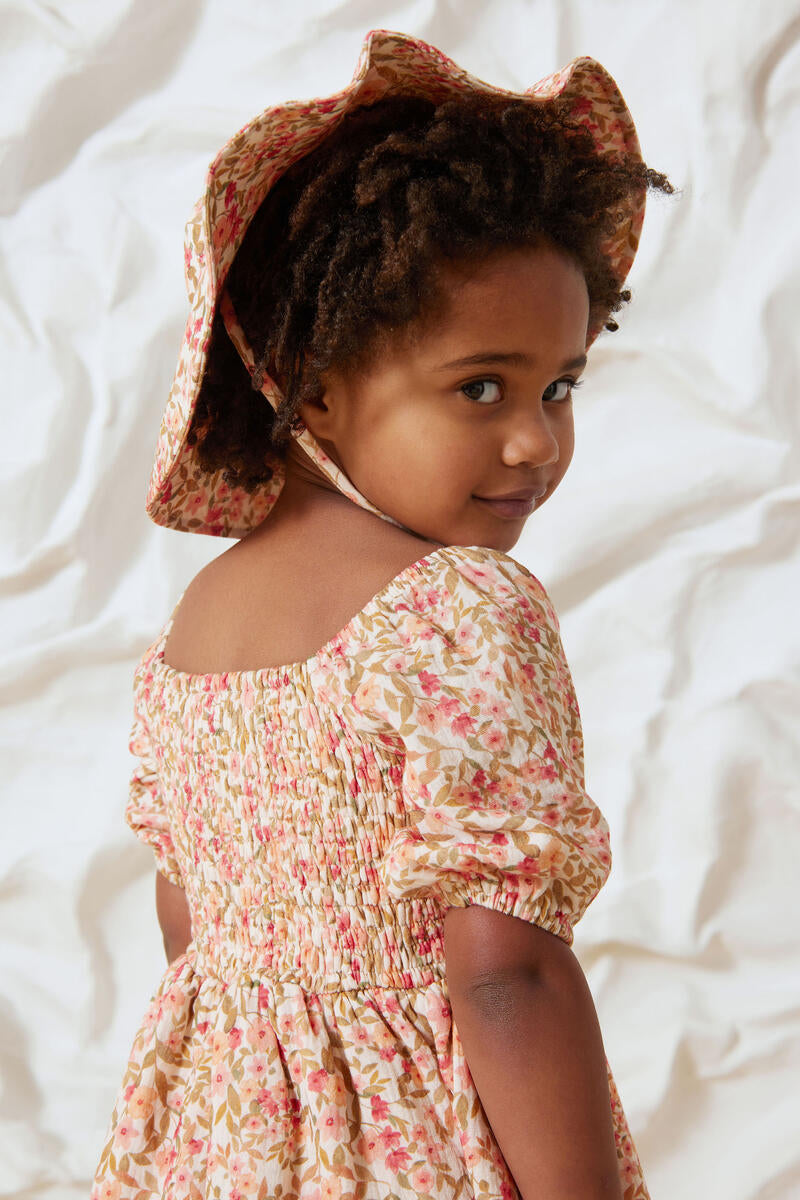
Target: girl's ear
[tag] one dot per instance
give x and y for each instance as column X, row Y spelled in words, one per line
column 321, row 413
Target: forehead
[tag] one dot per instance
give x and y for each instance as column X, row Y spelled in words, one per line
column 532, row 296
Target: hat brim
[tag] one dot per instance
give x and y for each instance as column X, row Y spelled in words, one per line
column 181, row 495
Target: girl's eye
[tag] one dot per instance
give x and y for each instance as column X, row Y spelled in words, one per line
column 479, row 383
column 558, row 391
column 563, row 389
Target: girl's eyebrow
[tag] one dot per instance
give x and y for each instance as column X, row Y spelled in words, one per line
column 513, row 358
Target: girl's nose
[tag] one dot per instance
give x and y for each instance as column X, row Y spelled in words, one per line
column 533, row 440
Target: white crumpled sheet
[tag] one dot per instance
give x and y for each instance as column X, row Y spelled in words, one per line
column 670, row 550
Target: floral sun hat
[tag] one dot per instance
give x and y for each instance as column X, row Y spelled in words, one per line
column 181, row 494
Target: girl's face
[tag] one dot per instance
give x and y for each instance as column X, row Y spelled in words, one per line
column 477, row 404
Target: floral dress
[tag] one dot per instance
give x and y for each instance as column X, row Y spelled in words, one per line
column 322, row 817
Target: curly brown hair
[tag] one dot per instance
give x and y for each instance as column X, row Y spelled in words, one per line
column 347, row 245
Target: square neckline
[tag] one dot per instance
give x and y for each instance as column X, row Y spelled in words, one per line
column 273, row 674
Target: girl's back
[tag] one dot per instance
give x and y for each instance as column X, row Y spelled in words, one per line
column 275, row 597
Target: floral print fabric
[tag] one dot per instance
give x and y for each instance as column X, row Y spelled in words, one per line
column 322, row 817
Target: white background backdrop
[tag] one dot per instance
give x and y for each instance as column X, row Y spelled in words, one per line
column 670, row 549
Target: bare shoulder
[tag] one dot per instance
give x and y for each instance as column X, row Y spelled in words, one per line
column 276, row 599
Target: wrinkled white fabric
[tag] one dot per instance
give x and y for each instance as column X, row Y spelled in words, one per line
column 670, row 549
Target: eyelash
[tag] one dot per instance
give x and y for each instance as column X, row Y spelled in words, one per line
column 573, row 383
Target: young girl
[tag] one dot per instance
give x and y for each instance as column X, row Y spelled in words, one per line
column 371, row 831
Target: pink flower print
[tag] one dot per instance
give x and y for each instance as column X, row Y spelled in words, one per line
column 550, row 816
column 397, row 664
column 463, row 725
column 422, row 1179
column 466, row 634
column 552, row 859
column 260, row 1035
column 429, row 717
column 471, row 1154
column 226, row 229
column 581, row 105
column 249, row 1088
column 219, row 1045
column 367, row 695
column 398, row 1159
column 419, row 1134
column 379, row 1109
column 367, row 1146
column 630, row 1173
column 174, row 1040
column 109, row 1190
column 332, row 1124
column 318, row 1081
column 329, row 104
column 462, row 795
column 482, row 574
column 529, row 868
column 234, row 1037
column 195, row 502
column 220, row 1078
column 193, row 332
column 414, row 630
column 603, row 856
column 235, row 767
column 429, row 682
column 142, row 1102
column 234, row 511
column 182, row 1175
column 238, row 1165
column 125, row 1133
column 174, row 999
column 286, row 1021
column 495, row 740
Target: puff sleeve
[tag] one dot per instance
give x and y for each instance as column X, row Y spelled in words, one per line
column 145, row 810
column 462, row 669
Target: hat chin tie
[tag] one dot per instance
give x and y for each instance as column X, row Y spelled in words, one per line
column 265, row 384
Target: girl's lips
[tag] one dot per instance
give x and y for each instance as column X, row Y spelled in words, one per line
column 511, row 508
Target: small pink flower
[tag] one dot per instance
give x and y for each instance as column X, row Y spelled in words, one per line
column 220, row 1078
column 495, row 740
column 142, row 1101
column 423, row 1179
column 125, row 1134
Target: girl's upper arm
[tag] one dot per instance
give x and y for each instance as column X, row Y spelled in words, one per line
column 485, row 949
column 172, row 910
